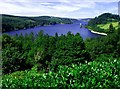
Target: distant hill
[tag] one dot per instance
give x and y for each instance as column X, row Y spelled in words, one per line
column 86, row 19
column 102, row 22
column 10, row 22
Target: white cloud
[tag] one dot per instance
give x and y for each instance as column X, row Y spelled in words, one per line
column 65, row 1
column 62, row 8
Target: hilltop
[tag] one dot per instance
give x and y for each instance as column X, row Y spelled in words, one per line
column 102, row 23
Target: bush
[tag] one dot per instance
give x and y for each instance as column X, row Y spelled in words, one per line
column 89, row 75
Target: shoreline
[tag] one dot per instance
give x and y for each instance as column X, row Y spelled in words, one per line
column 100, row 33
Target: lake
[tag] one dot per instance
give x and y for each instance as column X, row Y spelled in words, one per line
column 60, row 29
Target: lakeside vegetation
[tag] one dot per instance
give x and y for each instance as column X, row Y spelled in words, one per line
column 66, row 61
column 10, row 23
column 104, row 23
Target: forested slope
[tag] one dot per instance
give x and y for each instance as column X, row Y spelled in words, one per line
column 10, row 22
column 104, row 23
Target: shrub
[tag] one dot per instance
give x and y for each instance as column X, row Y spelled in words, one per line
column 90, row 75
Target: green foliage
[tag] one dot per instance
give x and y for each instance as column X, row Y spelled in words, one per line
column 97, row 22
column 111, row 28
column 70, row 49
column 104, row 45
column 46, row 51
column 119, row 24
column 104, row 18
column 10, row 22
column 95, row 74
column 13, row 55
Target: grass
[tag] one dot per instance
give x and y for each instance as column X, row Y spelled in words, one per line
column 106, row 26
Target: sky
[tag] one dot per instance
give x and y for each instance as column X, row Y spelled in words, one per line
column 59, row 8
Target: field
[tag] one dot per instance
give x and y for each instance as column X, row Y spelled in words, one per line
column 106, row 26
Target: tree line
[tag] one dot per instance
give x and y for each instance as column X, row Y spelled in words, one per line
column 48, row 52
column 10, row 22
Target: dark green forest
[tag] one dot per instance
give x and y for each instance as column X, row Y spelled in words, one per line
column 66, row 61
column 10, row 22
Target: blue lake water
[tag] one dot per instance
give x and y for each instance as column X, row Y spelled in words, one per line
column 60, row 29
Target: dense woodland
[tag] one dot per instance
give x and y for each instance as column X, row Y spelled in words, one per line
column 66, row 61
column 104, row 19
column 10, row 22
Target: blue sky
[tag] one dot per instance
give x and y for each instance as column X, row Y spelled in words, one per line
column 59, row 8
